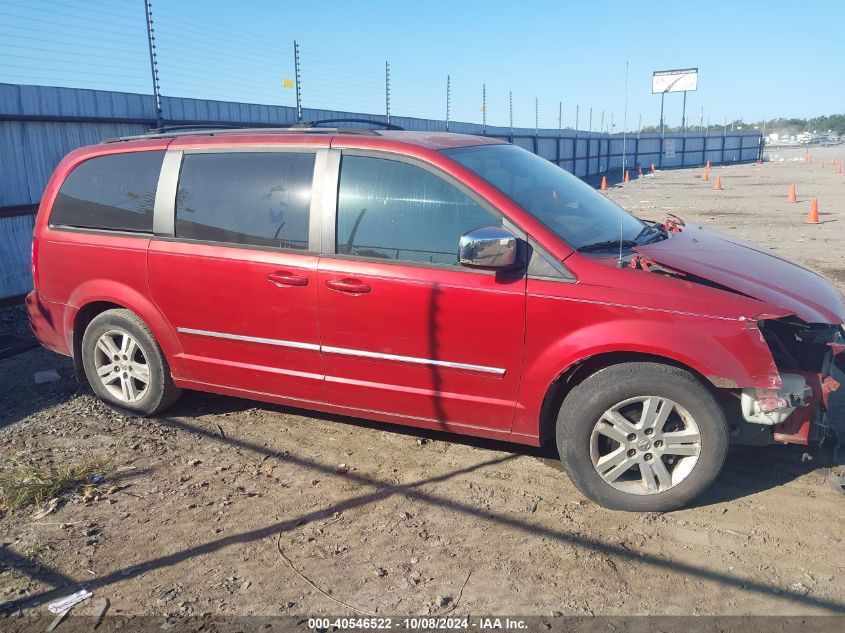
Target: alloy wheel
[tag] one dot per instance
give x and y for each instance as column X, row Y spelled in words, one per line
column 122, row 366
column 645, row 445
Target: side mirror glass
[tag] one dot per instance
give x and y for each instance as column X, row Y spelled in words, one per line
column 488, row 247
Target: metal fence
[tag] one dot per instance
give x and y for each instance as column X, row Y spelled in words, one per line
column 40, row 124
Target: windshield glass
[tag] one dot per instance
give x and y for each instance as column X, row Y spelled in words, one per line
column 576, row 212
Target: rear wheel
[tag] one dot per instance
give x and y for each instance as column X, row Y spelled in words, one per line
column 124, row 364
column 642, row 437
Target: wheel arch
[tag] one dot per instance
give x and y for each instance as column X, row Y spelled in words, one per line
column 578, row 371
column 81, row 319
column 100, row 300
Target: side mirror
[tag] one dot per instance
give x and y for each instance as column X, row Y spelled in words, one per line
column 488, row 247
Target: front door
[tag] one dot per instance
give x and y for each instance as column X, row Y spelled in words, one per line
column 237, row 277
column 406, row 330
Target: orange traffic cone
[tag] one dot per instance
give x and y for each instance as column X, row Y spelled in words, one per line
column 652, row 168
column 627, row 175
column 708, row 164
column 640, row 170
column 603, row 183
column 813, row 215
column 821, row 164
column 793, row 194
column 706, row 175
column 718, row 185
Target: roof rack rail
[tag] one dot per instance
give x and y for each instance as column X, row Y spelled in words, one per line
column 380, row 124
column 215, row 129
column 194, row 127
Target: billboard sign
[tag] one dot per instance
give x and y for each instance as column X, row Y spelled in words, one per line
column 674, row 80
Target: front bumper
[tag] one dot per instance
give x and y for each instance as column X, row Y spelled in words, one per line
column 797, row 412
column 770, row 407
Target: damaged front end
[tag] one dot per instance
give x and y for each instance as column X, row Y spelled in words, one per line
column 805, row 355
column 803, row 330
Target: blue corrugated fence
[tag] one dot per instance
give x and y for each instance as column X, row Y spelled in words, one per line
column 40, row 124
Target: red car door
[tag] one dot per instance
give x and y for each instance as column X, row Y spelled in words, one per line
column 237, row 277
column 404, row 329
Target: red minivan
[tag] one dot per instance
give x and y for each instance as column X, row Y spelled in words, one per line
column 436, row 280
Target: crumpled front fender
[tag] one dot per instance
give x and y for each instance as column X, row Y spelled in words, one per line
column 730, row 353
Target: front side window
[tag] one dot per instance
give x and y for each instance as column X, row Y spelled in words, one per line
column 114, row 192
column 249, row 198
column 393, row 210
column 577, row 213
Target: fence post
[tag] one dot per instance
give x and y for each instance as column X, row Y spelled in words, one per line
column 559, row 130
column 510, row 109
column 387, row 90
column 637, row 151
column 484, row 109
column 298, row 79
column 151, row 42
column 448, row 99
column 575, row 141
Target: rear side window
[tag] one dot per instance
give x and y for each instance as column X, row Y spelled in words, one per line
column 250, row 198
column 394, row 210
column 115, row 192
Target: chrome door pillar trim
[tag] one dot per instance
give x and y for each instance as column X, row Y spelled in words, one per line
column 315, row 211
column 164, row 211
column 331, row 178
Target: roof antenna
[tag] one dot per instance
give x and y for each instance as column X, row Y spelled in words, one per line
column 619, row 262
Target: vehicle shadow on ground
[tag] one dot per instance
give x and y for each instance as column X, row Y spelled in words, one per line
column 748, row 470
column 18, row 402
column 419, row 491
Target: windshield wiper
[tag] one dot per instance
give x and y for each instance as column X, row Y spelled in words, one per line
column 606, row 245
column 659, row 233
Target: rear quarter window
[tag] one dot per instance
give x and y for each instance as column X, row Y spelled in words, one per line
column 113, row 192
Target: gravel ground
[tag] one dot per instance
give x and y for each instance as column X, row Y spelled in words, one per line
column 225, row 507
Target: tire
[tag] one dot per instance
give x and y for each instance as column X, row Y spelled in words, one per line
column 668, row 467
column 122, row 387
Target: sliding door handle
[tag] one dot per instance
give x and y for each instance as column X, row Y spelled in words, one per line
column 284, row 278
column 348, row 285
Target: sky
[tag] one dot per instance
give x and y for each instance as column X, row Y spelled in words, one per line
column 756, row 60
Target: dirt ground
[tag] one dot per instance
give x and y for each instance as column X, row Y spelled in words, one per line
column 225, row 506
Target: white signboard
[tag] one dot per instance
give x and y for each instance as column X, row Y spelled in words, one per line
column 674, row 80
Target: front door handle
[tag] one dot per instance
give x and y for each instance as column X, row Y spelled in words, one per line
column 284, row 278
column 347, row 284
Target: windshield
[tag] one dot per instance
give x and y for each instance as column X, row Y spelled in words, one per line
column 578, row 214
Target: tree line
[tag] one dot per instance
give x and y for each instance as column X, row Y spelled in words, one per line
column 833, row 123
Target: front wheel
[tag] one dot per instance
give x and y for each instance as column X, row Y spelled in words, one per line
column 642, row 437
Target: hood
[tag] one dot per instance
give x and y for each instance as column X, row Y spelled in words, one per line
column 745, row 268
